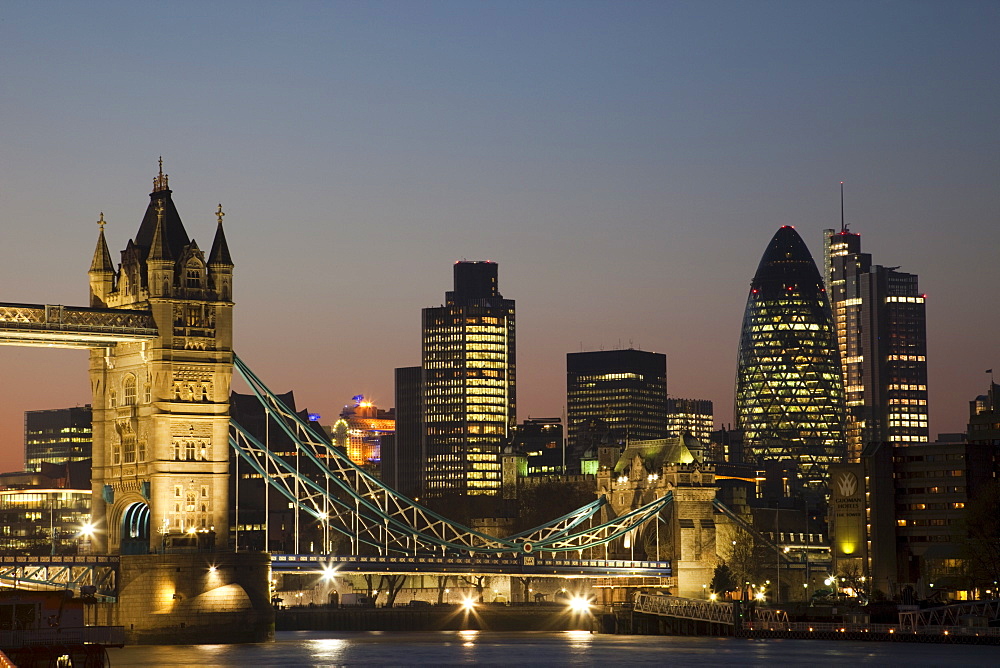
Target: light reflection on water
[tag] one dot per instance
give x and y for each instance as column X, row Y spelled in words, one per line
column 314, row 648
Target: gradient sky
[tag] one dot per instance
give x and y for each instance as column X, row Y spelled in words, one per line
column 626, row 164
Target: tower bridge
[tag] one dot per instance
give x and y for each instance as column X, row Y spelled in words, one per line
column 159, row 329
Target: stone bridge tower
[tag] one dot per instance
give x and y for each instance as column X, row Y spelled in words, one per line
column 685, row 532
column 161, row 407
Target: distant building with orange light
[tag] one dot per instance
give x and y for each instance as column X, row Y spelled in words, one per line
column 360, row 430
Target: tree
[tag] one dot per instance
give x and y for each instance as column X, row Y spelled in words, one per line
column 442, row 585
column 723, row 580
column 391, row 584
column 525, row 583
column 982, row 547
column 479, row 582
column 744, row 560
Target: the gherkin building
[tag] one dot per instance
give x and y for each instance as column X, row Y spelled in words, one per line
column 789, row 392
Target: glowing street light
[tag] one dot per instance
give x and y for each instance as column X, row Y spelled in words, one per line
column 468, row 604
column 579, row 605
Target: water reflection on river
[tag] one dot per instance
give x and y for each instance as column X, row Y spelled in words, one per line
column 313, row 648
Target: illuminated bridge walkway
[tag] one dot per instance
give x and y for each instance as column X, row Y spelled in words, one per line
column 533, row 566
column 56, row 326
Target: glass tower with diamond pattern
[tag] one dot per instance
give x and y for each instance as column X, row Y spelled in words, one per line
column 789, row 389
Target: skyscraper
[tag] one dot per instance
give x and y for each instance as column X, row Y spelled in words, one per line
column 402, row 466
column 57, row 436
column 880, row 321
column 617, row 395
column 469, row 383
column 690, row 416
column 789, row 392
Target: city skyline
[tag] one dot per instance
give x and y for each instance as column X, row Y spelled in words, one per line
column 623, row 167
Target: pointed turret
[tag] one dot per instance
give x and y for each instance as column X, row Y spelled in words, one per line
column 158, row 249
column 174, row 235
column 102, row 270
column 220, row 249
column 160, row 261
column 220, row 263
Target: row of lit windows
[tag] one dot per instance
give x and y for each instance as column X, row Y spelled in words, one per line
column 955, row 505
column 609, row 376
column 907, row 358
column 953, row 473
column 905, row 300
column 926, row 523
column 956, row 489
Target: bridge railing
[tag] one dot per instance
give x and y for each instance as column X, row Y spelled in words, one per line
column 719, row 612
column 58, row 317
column 948, row 615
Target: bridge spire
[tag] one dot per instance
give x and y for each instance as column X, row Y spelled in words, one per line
column 220, row 249
column 102, row 269
column 159, row 250
column 162, row 181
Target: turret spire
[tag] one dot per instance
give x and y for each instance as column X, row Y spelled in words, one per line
column 162, row 181
column 220, row 249
column 102, row 257
column 159, row 250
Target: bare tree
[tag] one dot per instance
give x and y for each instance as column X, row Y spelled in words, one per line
column 982, row 547
column 442, row 587
column 479, row 582
column 391, row 584
column 525, row 583
column 744, row 559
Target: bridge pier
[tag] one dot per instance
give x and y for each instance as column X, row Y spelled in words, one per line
column 201, row 597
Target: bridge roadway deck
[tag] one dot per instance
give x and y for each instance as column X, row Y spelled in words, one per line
column 525, row 565
column 57, row 326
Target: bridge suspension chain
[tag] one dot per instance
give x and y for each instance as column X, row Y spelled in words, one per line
column 381, row 517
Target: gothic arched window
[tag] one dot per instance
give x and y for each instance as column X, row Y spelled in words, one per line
column 128, row 391
column 194, row 274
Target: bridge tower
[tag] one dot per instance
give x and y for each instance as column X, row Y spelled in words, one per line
column 161, row 407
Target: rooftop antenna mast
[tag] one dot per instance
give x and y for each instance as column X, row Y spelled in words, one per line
column 843, row 227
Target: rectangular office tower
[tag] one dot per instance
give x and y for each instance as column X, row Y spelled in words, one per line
column 57, row 436
column 879, row 317
column 614, row 396
column 469, row 384
column 690, row 416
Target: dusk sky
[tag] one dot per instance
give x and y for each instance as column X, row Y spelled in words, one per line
column 625, row 163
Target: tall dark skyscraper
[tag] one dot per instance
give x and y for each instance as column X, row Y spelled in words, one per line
column 402, row 457
column 619, row 395
column 469, row 384
column 789, row 392
column 879, row 315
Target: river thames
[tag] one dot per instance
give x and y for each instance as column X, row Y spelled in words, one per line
column 314, row 648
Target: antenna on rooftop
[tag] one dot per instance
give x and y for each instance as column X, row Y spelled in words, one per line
column 843, row 227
